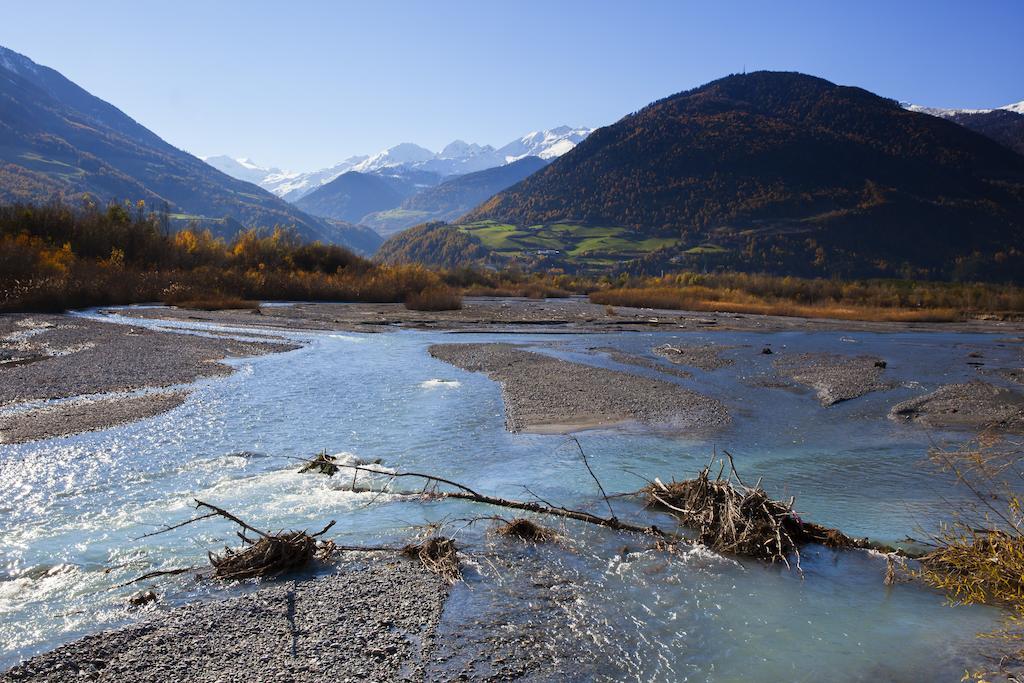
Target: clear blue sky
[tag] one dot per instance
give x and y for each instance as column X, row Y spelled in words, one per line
column 305, row 84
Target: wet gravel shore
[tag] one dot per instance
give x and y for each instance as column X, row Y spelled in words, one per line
column 50, row 357
column 373, row 620
column 968, row 405
column 548, row 394
column 78, row 416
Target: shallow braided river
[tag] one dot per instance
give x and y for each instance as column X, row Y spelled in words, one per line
column 73, row 509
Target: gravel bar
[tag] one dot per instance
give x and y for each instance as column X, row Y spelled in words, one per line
column 77, row 356
column 705, row 357
column 969, row 405
column 49, row 357
column 76, row 416
column 546, row 394
column 835, row 378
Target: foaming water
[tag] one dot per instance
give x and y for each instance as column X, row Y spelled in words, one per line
column 76, row 510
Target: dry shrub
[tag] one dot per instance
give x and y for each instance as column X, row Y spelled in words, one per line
column 223, row 303
column 526, row 530
column 977, row 566
column 733, row 518
column 532, row 290
column 438, row 554
column 732, row 301
column 536, row 290
column 270, row 556
column 434, row 298
column 979, row 557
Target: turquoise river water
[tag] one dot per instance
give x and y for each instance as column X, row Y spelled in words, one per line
column 73, row 509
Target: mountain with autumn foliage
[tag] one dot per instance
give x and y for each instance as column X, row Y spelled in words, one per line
column 784, row 172
column 58, row 141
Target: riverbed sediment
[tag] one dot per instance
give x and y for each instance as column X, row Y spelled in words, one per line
column 971, row 405
column 372, row 620
column 50, row 358
column 547, row 394
column 833, row 377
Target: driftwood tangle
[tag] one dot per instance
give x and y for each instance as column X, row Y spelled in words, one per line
column 731, row 517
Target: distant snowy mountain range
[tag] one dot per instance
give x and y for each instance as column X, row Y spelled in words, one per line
column 456, row 158
column 1017, row 108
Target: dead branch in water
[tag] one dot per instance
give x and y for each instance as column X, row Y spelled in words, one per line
column 154, row 574
column 597, row 481
column 729, row 516
column 466, row 493
column 322, row 463
column 732, row 517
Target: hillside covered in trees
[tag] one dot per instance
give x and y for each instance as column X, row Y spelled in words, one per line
column 1003, row 126
column 437, row 245
column 788, row 173
column 57, row 141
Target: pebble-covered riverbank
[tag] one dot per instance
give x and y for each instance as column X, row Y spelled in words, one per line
column 49, row 357
column 371, row 621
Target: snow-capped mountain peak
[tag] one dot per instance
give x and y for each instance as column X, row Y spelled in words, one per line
column 399, row 155
column 1017, row 108
column 459, row 149
column 243, row 169
column 456, row 158
column 546, row 144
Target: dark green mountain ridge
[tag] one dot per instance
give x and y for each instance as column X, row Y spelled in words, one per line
column 1005, row 127
column 786, row 172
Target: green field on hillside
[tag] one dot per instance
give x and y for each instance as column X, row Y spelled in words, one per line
column 394, row 220
column 588, row 244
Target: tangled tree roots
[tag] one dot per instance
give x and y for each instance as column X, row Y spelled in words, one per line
column 731, row 517
column 525, row 530
column 439, row 555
